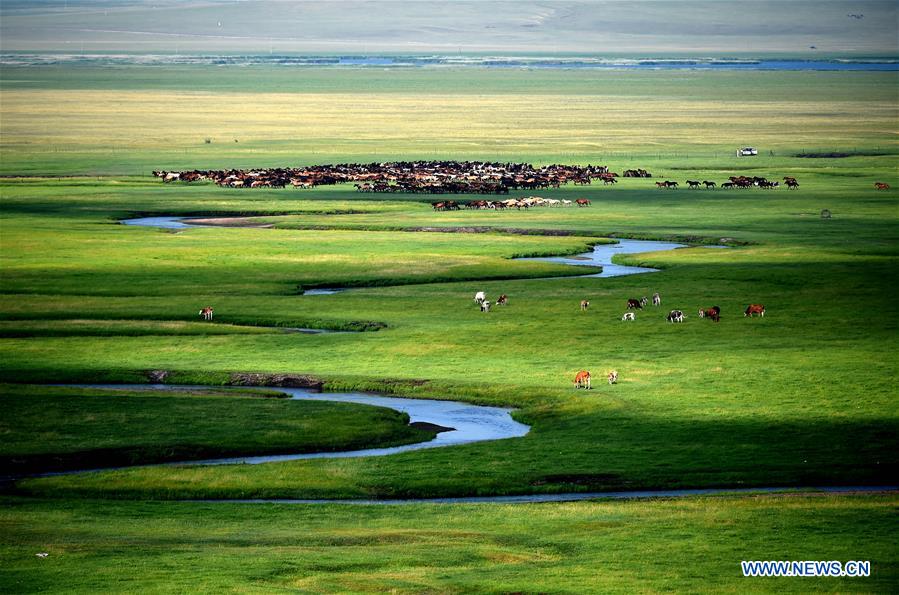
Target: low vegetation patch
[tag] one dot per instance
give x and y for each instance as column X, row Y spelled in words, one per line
column 49, row 428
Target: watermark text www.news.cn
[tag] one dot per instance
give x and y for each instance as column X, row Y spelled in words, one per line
column 852, row 568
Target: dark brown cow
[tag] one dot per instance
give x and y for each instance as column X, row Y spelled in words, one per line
column 634, row 304
column 714, row 313
column 753, row 309
column 502, row 300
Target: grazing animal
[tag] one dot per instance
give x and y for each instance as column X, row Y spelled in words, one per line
column 754, row 309
column 582, row 380
column 656, row 299
column 628, row 316
column 881, row 186
column 480, row 297
column 485, row 306
column 644, row 300
column 206, row 313
column 634, row 304
column 613, row 377
column 584, row 304
column 582, row 202
column 502, row 300
column 675, row 316
column 714, row 313
column 792, row 184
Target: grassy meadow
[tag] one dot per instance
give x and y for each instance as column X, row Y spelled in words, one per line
column 54, row 428
column 804, row 396
column 693, row 545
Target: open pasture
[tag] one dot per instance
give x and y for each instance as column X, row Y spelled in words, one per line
column 590, row 547
column 803, row 396
column 93, row 120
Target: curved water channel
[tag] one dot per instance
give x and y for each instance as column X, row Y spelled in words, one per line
column 465, row 423
column 600, row 256
column 469, row 423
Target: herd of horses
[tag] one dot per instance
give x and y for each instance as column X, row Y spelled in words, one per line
column 739, row 182
column 455, row 177
column 426, row 177
column 512, row 203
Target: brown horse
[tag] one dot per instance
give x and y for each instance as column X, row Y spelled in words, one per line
column 753, row 309
column 582, row 202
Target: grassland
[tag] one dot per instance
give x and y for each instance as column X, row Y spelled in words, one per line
column 597, row 547
column 803, row 396
column 115, row 121
column 56, row 428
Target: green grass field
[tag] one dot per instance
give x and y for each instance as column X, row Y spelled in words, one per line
column 57, row 428
column 805, row 396
column 693, row 545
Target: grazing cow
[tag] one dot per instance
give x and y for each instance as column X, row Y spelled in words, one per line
column 613, row 377
column 584, row 304
column 206, row 313
column 582, row 202
column 656, row 299
column 644, row 300
column 714, row 313
column 792, row 184
column 582, row 380
column 754, row 309
column 675, row 316
column 709, row 184
column 628, row 316
column 502, row 300
column 693, row 184
column 881, row 186
column 480, row 297
column 485, row 306
column 634, row 304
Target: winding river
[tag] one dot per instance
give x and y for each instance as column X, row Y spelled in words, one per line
column 600, row 256
column 468, row 423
